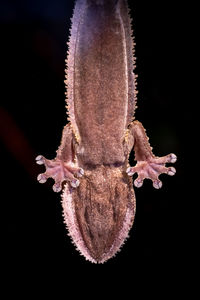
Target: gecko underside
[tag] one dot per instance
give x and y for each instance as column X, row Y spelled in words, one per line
column 92, row 160
column 99, row 214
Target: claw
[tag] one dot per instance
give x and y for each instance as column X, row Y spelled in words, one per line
column 39, row 160
column 41, row 178
column 138, row 182
column 57, row 187
column 172, row 158
column 157, row 184
column 80, row 173
column 171, row 171
column 129, row 171
column 75, row 183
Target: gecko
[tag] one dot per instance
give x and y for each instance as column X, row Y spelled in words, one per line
column 91, row 166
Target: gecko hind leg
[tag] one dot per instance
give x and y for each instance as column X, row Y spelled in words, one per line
column 151, row 169
column 60, row 171
column 148, row 165
column 62, row 168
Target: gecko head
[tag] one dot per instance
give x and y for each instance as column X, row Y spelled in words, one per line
column 103, row 212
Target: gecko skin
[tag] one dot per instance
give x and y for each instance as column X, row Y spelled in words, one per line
column 92, row 163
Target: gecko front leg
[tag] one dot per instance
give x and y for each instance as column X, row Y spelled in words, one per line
column 63, row 167
column 148, row 165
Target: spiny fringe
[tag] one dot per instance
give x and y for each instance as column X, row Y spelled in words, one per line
column 132, row 81
column 122, row 237
column 76, row 19
column 71, row 224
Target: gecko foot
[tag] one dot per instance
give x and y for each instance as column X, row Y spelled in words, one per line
column 151, row 169
column 60, row 171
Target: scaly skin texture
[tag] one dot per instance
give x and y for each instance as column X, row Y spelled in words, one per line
column 91, row 166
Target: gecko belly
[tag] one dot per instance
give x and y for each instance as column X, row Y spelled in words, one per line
column 99, row 214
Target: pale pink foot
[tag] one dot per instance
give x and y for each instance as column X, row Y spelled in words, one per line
column 152, row 168
column 60, row 171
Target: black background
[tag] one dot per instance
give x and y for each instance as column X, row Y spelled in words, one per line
column 32, row 115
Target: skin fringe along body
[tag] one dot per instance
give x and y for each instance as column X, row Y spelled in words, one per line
column 91, row 167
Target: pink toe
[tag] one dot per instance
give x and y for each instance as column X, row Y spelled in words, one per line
column 42, row 178
column 57, row 187
column 157, row 184
column 138, row 183
column 171, row 171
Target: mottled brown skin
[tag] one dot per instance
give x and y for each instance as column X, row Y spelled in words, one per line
column 98, row 199
column 101, row 203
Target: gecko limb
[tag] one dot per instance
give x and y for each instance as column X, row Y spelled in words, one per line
column 62, row 168
column 148, row 165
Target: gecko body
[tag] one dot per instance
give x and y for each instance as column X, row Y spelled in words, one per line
column 92, row 167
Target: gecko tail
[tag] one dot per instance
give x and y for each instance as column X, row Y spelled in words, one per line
column 99, row 223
